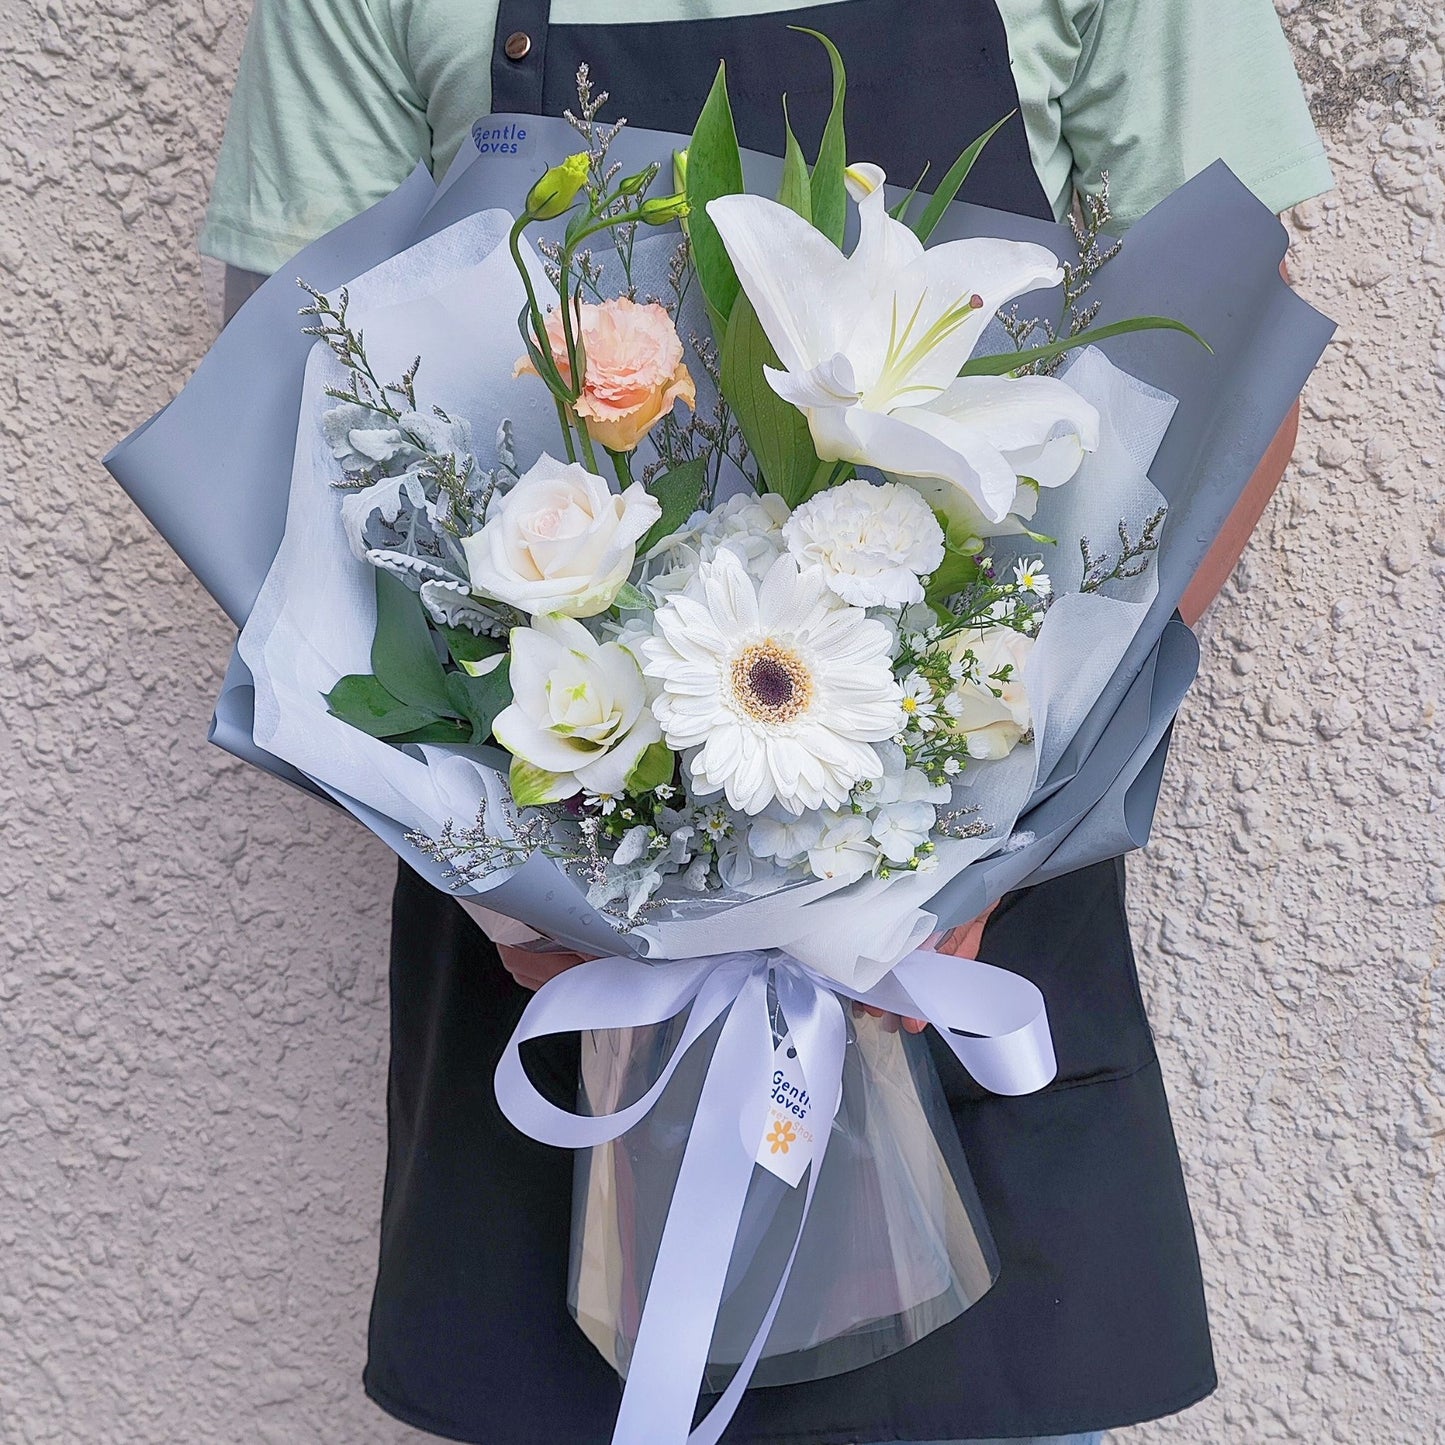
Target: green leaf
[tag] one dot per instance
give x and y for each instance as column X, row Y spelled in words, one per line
column 899, row 211
column 829, row 194
column 651, row 770
column 1007, row 361
column 776, row 431
column 403, row 656
column 631, row 599
column 443, row 730
column 943, row 197
column 468, row 646
column 480, row 699
column 532, row 786
column 714, row 168
column 364, row 703
column 794, row 192
column 678, row 492
column 959, row 566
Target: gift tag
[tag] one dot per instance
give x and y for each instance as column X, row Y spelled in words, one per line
column 789, row 1141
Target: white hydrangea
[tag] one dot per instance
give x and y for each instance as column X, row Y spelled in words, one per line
column 873, row 543
column 748, row 526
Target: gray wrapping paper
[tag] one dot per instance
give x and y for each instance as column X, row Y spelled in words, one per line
column 1208, row 256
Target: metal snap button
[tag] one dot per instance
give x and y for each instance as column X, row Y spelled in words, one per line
column 517, row 45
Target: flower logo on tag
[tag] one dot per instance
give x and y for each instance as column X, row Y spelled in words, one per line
column 781, row 1137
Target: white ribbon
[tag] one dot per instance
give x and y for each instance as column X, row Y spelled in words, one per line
column 1004, row 1043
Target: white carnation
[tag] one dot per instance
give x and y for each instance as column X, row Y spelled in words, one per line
column 872, row 542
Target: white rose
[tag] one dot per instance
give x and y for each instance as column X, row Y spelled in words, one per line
column 992, row 711
column 873, row 543
column 560, row 541
column 578, row 717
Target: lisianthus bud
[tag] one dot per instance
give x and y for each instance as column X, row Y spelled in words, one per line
column 631, row 185
column 557, row 189
column 679, row 170
column 661, row 210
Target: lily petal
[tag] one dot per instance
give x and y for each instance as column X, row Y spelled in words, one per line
column 792, row 274
column 917, row 443
column 1021, row 411
column 830, row 383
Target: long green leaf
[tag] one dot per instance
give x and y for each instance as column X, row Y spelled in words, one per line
column 403, row 656
column 901, row 210
column 364, row 703
column 1006, row 361
column 829, row 193
column 677, row 492
column 776, row 431
column 952, row 183
column 795, row 192
column 714, row 168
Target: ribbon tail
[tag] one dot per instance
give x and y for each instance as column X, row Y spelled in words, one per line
column 675, row 1334
column 818, row 1034
column 1006, row 1044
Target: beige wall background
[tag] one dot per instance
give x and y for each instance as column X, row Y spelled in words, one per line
column 193, row 968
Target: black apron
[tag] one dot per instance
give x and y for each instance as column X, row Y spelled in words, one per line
column 1097, row 1319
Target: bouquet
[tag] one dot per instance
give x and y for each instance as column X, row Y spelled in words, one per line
column 738, row 570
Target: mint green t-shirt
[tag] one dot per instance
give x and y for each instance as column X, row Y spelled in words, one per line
column 336, row 101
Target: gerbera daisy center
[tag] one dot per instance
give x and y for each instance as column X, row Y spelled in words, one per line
column 771, row 683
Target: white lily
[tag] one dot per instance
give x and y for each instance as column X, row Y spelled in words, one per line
column 872, row 344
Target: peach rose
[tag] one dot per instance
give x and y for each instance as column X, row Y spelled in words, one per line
column 634, row 369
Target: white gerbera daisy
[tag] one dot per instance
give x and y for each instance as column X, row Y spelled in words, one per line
column 780, row 690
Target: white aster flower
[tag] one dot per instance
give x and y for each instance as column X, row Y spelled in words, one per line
column 779, row 689
column 918, row 705
column 1031, row 577
column 844, row 851
column 873, row 543
column 872, row 344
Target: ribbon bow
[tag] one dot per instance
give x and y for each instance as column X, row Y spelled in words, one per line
column 1005, row 1045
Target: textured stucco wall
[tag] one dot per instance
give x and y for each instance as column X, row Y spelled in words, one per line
column 192, row 984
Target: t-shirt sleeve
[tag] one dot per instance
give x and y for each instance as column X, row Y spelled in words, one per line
column 1163, row 88
column 324, row 122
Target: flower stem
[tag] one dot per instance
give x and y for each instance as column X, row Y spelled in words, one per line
column 621, row 466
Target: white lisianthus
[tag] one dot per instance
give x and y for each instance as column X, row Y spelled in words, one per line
column 873, row 543
column 578, row 718
column 777, row 687
column 991, row 712
column 560, row 541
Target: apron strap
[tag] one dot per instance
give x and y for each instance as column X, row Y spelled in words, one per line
column 519, row 55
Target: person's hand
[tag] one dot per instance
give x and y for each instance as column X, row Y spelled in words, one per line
column 533, row 967
column 960, row 942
